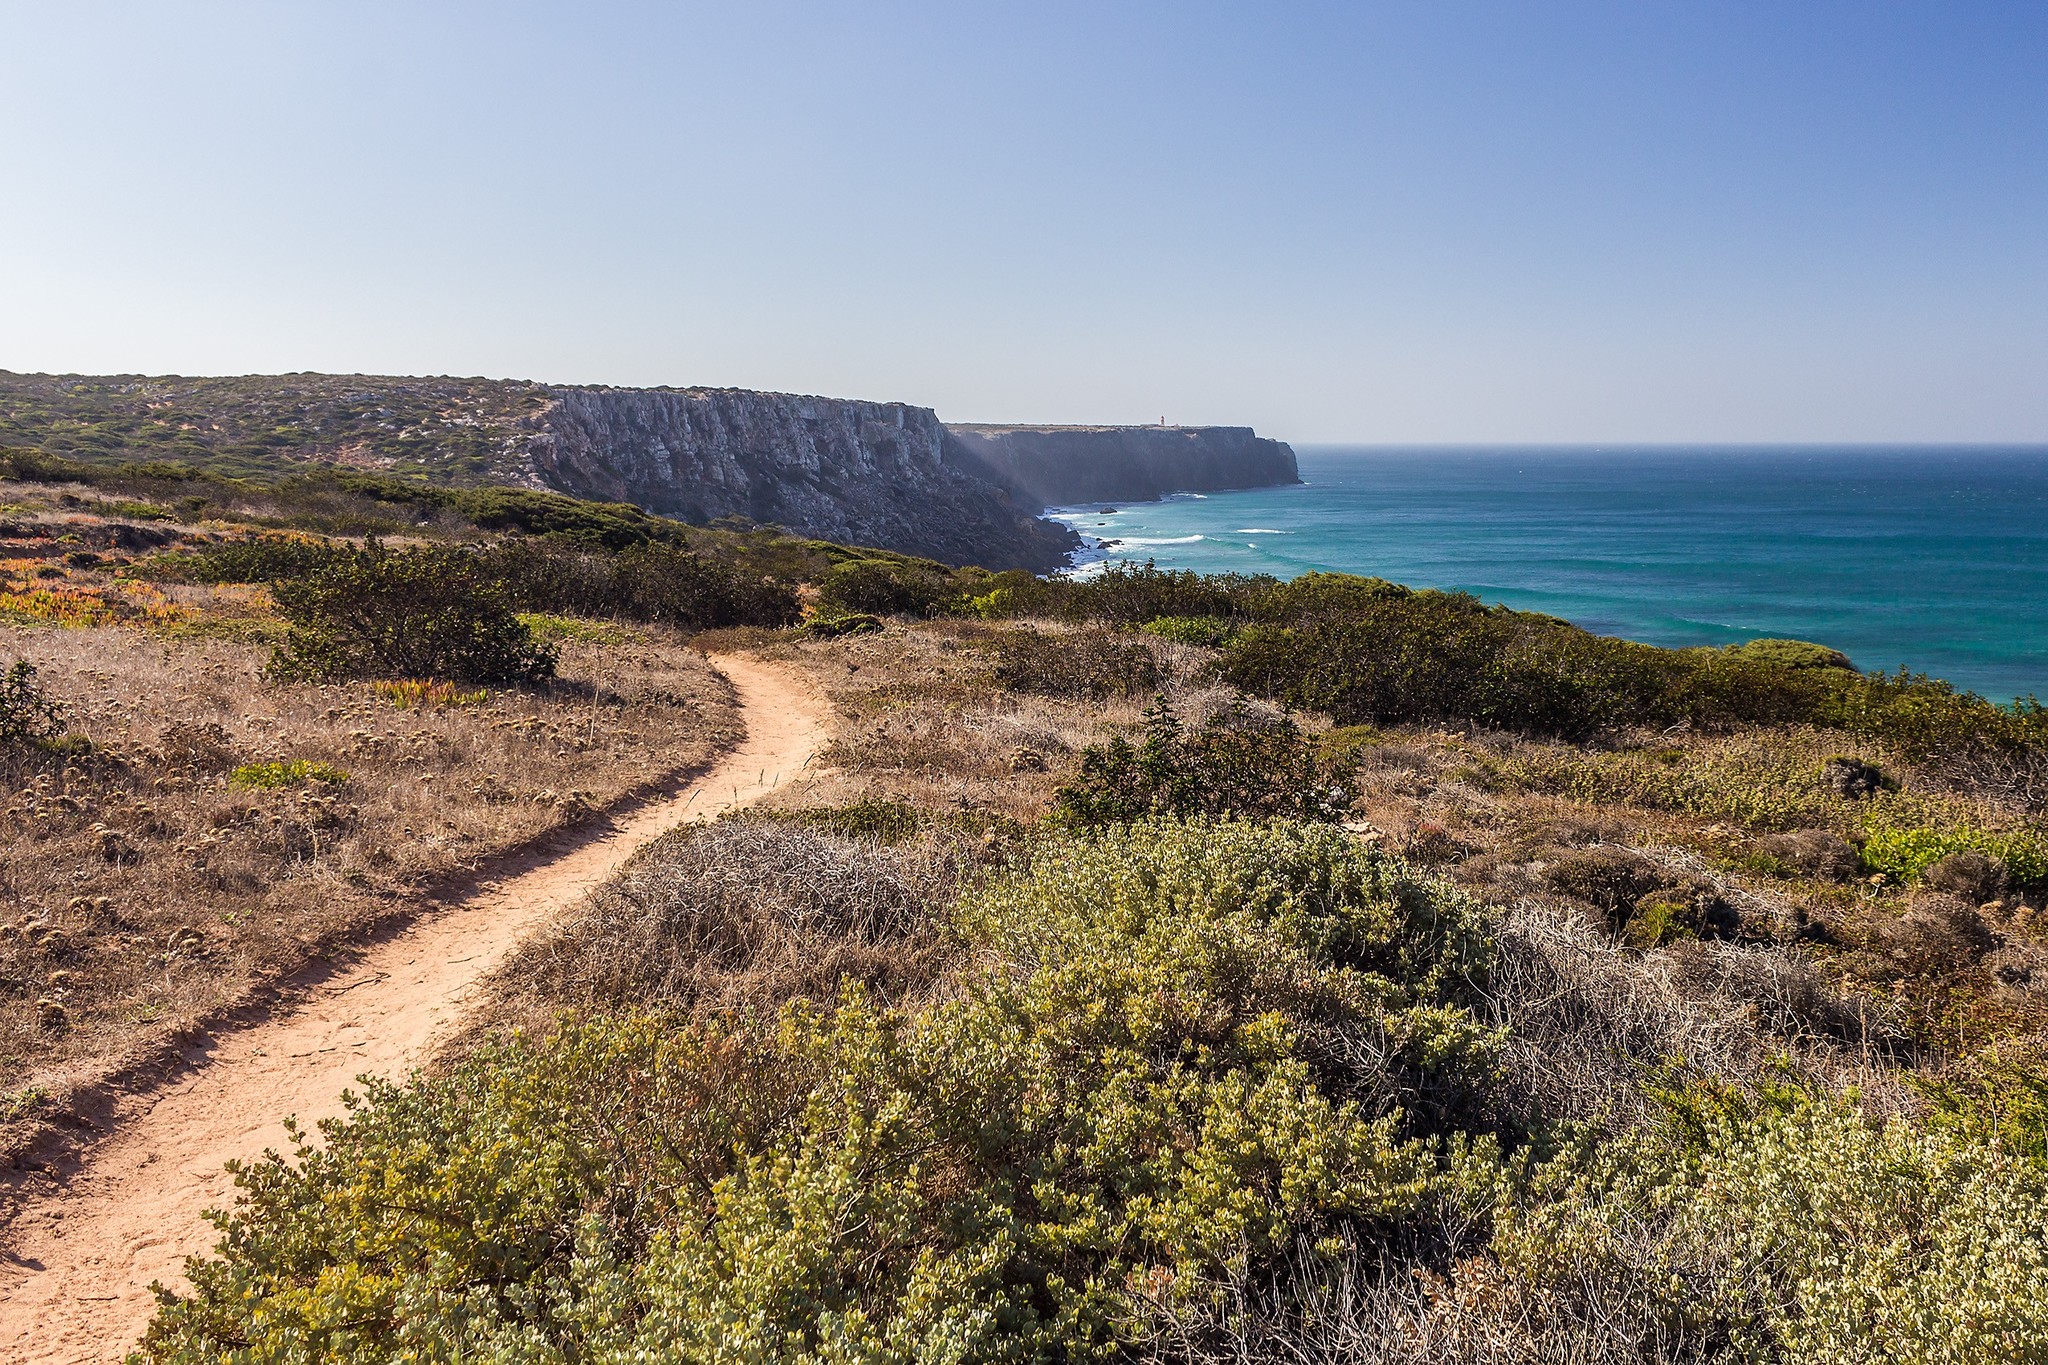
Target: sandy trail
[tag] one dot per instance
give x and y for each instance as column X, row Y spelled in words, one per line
column 75, row 1265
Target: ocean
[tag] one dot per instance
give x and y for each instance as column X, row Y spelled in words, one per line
column 1933, row 559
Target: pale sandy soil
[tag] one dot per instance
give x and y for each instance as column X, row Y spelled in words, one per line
column 77, row 1260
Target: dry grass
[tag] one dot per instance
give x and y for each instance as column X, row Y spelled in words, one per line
column 143, row 888
column 741, row 917
column 923, row 720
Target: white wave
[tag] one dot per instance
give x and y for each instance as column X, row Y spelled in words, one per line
column 1260, row 531
column 1160, row 540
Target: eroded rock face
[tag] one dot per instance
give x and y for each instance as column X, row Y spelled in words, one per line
column 839, row 469
column 1058, row 466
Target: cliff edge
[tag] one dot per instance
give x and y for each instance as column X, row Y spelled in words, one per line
column 1054, row 466
column 839, row 469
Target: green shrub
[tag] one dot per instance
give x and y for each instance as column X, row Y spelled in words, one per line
column 1125, row 1097
column 27, row 713
column 845, row 623
column 1132, row 594
column 549, row 626
column 660, row 584
column 885, row 822
column 1230, row 766
column 296, row 772
column 242, row 630
column 1431, row 656
column 1790, row 654
column 1800, row 1233
column 256, row 559
column 1765, row 780
column 883, row 587
column 1905, row 851
column 1324, row 596
column 430, row 613
column 1211, row 632
column 1078, row 663
column 1998, row 1098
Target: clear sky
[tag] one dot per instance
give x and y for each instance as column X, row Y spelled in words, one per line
column 1373, row 222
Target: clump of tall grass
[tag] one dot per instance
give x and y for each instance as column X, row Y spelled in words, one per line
column 411, row 693
column 294, row 772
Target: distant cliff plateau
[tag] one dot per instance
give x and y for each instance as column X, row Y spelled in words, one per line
column 883, row 474
column 1057, row 466
column 838, row 469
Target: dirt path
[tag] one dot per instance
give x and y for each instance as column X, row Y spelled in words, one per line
column 76, row 1265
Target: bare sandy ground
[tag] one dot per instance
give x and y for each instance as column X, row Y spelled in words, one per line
column 77, row 1262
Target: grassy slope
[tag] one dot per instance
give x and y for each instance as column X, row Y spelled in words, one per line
column 452, row 430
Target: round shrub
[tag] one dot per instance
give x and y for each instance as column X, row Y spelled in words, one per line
column 880, row 587
column 426, row 613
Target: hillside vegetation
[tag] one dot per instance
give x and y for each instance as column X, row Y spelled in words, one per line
column 1155, row 967
column 449, row 429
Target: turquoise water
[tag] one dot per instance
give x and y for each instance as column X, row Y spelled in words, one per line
column 1931, row 558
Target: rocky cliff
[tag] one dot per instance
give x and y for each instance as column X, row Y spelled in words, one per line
column 863, row 473
column 1054, row 466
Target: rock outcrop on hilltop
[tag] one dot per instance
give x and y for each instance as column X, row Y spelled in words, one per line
column 1054, row 466
column 838, row 469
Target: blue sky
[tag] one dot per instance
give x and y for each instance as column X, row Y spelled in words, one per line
column 1405, row 222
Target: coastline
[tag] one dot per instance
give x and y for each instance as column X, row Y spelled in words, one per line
column 1933, row 559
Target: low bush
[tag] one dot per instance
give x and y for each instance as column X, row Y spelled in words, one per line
column 878, row 587
column 1765, row 780
column 1375, row 654
column 1905, row 851
column 755, row 910
column 1210, row 632
column 831, row 627
column 1792, row 1232
column 1204, row 1091
column 27, row 712
column 1078, row 663
column 1132, row 1093
column 650, row 581
column 1231, row 766
column 1368, row 651
column 887, row 822
column 550, row 626
column 295, row 772
column 1790, row 654
column 1998, row 1097
column 661, row 584
column 429, row 613
column 1132, row 594
column 410, row 693
column 252, row 559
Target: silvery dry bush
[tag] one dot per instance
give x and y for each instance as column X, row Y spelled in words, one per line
column 752, row 910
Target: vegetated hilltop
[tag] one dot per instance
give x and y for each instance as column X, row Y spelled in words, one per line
column 1216, row 969
column 856, row 472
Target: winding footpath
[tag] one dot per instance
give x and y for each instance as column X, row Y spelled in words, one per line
column 76, row 1264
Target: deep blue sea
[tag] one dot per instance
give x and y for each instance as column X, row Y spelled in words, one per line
column 1930, row 558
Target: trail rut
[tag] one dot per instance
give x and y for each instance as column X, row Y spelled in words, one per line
column 76, row 1263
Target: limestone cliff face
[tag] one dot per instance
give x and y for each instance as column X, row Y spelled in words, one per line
column 864, row 473
column 1054, row 466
